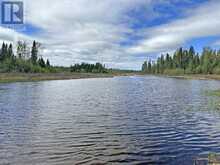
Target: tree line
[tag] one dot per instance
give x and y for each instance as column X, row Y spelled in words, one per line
column 27, row 60
column 185, row 61
column 88, row 68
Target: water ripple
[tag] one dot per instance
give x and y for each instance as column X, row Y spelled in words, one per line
column 137, row 120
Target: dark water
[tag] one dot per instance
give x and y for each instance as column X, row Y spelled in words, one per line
column 124, row 120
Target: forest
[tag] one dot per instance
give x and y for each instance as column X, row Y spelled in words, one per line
column 27, row 59
column 89, row 68
column 185, row 61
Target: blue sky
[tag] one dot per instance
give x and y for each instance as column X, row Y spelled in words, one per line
column 121, row 34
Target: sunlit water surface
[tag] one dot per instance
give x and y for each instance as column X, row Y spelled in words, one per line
column 122, row 120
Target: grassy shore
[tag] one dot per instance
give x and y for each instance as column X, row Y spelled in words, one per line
column 195, row 76
column 24, row 77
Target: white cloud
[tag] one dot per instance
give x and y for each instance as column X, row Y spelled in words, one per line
column 92, row 30
column 83, row 30
column 201, row 22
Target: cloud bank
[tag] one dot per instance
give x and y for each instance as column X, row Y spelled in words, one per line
column 95, row 30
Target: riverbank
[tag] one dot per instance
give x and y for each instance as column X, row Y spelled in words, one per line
column 194, row 76
column 25, row 77
column 198, row 77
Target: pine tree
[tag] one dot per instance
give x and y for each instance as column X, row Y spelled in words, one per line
column 149, row 67
column 41, row 62
column 48, row 63
column 10, row 51
column 180, row 58
column 2, row 52
column 162, row 62
column 191, row 52
column 34, row 52
column 144, row 67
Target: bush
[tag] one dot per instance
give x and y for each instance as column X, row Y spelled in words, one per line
column 189, row 71
column 174, row 71
column 216, row 70
column 21, row 65
column 198, row 70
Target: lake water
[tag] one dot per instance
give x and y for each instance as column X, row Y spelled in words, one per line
column 122, row 120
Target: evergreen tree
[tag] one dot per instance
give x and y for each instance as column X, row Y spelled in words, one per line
column 191, row 52
column 48, row 63
column 41, row 62
column 162, row 67
column 93, row 68
column 186, row 61
column 10, row 51
column 34, row 52
column 144, row 67
column 149, row 67
column 3, row 51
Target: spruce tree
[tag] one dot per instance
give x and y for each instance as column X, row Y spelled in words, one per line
column 10, row 51
column 149, row 67
column 2, row 53
column 34, row 52
column 41, row 62
column 48, row 63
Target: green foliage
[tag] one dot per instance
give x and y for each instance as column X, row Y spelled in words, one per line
column 48, row 63
column 88, row 68
column 34, row 52
column 216, row 70
column 11, row 63
column 42, row 63
column 173, row 71
column 185, row 62
column 29, row 62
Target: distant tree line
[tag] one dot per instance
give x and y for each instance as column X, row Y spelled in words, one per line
column 26, row 60
column 88, row 68
column 185, row 61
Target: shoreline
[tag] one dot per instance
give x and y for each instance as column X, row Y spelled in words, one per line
column 196, row 77
column 32, row 77
column 189, row 77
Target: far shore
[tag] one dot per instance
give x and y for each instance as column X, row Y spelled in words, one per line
column 190, row 76
column 28, row 77
column 196, row 76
